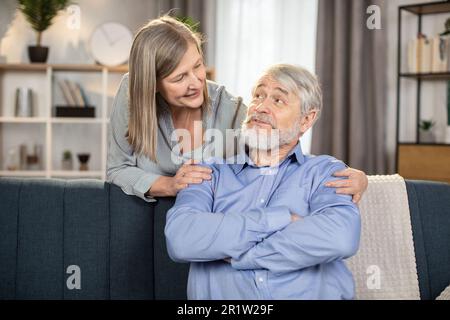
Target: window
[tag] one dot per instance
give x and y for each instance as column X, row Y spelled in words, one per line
column 253, row 34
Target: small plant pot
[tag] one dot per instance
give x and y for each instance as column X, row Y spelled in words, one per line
column 38, row 54
column 427, row 137
column 67, row 164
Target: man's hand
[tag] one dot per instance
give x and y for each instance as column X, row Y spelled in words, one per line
column 355, row 185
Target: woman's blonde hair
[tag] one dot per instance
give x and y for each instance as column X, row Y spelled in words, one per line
column 157, row 49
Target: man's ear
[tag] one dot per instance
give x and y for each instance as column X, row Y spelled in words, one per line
column 307, row 121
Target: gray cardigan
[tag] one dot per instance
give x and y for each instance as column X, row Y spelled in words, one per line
column 136, row 174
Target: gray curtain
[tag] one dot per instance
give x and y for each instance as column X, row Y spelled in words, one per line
column 351, row 65
column 192, row 8
column 202, row 11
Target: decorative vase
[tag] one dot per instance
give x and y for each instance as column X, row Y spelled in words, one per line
column 37, row 54
column 24, row 102
column 83, row 158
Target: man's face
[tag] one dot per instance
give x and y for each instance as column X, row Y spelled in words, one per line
column 272, row 107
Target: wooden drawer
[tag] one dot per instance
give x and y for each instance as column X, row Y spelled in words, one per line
column 424, row 162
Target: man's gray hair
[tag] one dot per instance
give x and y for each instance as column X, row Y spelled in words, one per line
column 302, row 83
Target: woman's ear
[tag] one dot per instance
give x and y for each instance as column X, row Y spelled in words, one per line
column 307, row 121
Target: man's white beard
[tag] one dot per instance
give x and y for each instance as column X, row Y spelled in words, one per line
column 265, row 140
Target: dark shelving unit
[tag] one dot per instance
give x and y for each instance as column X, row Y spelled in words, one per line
column 406, row 153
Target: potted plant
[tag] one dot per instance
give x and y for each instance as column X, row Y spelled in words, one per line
column 40, row 14
column 67, row 162
column 426, row 132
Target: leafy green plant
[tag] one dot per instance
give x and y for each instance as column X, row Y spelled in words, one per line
column 193, row 24
column 67, row 155
column 426, row 125
column 40, row 14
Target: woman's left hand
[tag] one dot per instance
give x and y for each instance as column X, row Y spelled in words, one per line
column 355, row 185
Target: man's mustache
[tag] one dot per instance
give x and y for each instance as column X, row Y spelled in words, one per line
column 261, row 117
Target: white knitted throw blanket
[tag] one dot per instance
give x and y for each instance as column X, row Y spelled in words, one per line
column 385, row 265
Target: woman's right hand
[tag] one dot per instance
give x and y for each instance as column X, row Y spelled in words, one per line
column 189, row 173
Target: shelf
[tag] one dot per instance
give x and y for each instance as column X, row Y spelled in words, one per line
column 437, row 144
column 17, row 173
column 427, row 76
column 23, row 67
column 26, row 67
column 67, row 174
column 76, row 120
column 22, row 120
column 428, row 8
column 75, row 173
column 42, row 67
column 88, row 68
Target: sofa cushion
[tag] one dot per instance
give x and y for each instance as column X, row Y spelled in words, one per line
column 430, row 217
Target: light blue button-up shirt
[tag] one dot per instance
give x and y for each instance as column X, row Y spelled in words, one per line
column 244, row 213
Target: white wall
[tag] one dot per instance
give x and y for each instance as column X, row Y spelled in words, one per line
column 72, row 46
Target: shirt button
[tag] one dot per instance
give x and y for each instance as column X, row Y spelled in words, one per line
column 260, row 279
column 262, row 200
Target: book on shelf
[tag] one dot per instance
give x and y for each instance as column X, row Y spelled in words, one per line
column 76, row 94
column 429, row 55
column 83, row 95
column 73, row 93
column 424, row 54
column 70, row 101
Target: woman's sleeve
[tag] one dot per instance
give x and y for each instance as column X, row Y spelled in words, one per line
column 121, row 166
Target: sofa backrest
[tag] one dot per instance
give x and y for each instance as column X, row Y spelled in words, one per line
column 429, row 206
column 117, row 241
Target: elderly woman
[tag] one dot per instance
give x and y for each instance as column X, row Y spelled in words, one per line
column 166, row 89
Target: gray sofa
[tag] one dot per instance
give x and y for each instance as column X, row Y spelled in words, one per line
column 117, row 241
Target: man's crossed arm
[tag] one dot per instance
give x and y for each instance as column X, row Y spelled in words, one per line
column 270, row 238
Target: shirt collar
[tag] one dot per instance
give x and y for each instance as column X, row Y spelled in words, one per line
column 243, row 160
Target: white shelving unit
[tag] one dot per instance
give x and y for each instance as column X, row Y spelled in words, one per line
column 54, row 133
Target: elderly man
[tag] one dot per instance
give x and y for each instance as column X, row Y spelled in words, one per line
column 266, row 226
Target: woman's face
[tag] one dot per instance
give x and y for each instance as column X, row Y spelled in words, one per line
column 184, row 86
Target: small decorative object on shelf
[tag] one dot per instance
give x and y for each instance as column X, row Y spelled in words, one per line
column 67, row 161
column 84, row 159
column 32, row 162
column 12, row 162
column 426, row 131
column 24, row 102
column 40, row 15
column 77, row 112
column 39, row 151
column 23, row 156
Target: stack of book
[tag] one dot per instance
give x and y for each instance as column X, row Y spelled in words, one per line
column 429, row 55
column 77, row 103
